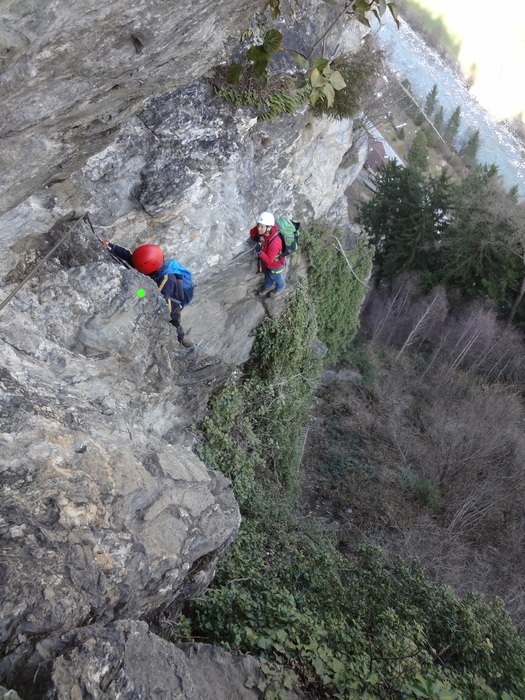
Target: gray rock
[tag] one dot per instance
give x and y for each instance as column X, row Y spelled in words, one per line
column 8, row 694
column 69, row 78
column 105, row 512
column 107, row 517
column 125, row 660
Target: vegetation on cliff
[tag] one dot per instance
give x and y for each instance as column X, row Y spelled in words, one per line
column 352, row 573
column 347, row 623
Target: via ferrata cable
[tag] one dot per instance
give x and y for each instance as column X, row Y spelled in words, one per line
column 30, row 274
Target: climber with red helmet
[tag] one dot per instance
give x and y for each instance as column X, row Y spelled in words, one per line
column 149, row 259
column 269, row 250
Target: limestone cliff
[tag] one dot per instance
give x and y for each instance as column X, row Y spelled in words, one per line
column 107, row 517
column 71, row 75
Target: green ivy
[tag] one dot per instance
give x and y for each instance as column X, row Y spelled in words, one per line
column 339, row 281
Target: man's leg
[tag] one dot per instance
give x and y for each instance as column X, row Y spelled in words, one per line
column 280, row 282
column 269, row 282
column 175, row 321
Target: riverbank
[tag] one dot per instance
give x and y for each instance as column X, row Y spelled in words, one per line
column 409, row 57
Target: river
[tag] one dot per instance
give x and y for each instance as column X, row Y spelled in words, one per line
column 410, row 57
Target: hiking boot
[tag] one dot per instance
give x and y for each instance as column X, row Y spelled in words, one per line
column 276, row 293
column 263, row 292
column 186, row 342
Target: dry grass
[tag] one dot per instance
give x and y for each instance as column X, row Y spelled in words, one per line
column 427, row 466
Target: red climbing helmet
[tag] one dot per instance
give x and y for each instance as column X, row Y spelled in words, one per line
column 147, row 258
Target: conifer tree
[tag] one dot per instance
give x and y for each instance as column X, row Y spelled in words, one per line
column 483, row 252
column 469, row 150
column 431, row 101
column 406, row 219
column 418, row 153
column 439, row 119
column 452, row 127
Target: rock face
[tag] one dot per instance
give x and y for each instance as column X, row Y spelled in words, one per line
column 105, row 510
column 103, row 664
column 107, row 517
column 69, row 77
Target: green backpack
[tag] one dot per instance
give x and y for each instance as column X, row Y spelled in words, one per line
column 289, row 232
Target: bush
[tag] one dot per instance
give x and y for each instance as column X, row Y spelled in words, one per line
column 339, row 281
column 360, row 71
column 419, row 119
column 279, row 96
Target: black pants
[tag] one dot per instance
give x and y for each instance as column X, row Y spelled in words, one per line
column 176, row 310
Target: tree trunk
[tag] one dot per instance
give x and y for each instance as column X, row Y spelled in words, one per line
column 517, row 302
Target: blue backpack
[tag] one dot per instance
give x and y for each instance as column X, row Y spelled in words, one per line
column 172, row 267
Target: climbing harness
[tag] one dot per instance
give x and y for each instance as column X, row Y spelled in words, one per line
column 28, row 276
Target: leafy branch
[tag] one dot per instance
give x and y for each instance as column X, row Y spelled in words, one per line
column 321, row 81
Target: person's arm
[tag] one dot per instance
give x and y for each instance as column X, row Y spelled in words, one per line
column 254, row 234
column 119, row 252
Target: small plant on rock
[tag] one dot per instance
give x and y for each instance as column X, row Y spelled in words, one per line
column 359, row 71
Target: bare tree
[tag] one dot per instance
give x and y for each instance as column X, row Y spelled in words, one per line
column 433, row 310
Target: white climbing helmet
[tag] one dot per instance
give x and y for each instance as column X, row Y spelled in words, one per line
column 266, row 219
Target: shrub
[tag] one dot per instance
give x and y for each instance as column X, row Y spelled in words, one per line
column 422, row 491
column 277, row 97
column 338, row 280
column 360, row 71
column 419, row 119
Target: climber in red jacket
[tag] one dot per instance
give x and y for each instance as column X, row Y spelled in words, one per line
column 269, row 251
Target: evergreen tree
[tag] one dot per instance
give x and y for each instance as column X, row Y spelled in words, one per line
column 483, row 252
column 514, row 193
column 452, row 127
column 432, row 137
column 418, row 153
column 439, row 119
column 405, row 219
column 431, row 101
column 379, row 216
column 469, row 150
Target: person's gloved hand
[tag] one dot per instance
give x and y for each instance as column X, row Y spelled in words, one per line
column 258, row 248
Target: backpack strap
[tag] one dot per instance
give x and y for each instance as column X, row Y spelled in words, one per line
column 278, row 234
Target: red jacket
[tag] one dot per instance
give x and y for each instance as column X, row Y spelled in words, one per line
column 272, row 248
